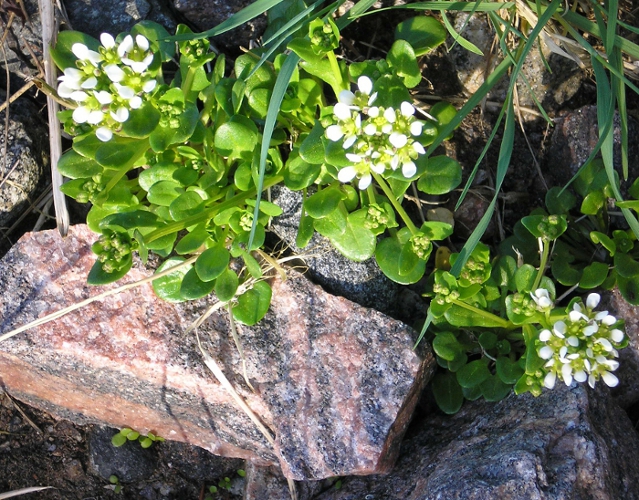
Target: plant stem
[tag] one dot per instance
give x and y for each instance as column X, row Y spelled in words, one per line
column 396, row 205
column 337, row 72
column 542, row 263
column 480, row 312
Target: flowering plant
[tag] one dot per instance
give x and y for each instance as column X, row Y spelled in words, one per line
column 497, row 327
column 177, row 167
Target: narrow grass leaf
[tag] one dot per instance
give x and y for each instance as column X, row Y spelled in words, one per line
column 471, row 47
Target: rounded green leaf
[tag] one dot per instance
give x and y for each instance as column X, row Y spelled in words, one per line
column 626, row 266
column 75, row 166
column 629, row 288
column 488, row 340
column 193, row 287
column 323, row 202
column 593, row 275
column 141, row 121
column 253, row 304
column 118, row 440
column 168, row 287
column 564, row 273
column 193, row 241
column 120, row 151
column 508, row 370
column 525, row 278
column 185, row 205
column 388, row 254
column 442, row 175
column 312, row 148
column 401, row 58
column 356, row 242
column 446, row 346
column 609, row 244
column 237, row 138
column 593, row 203
column 163, row 193
column 494, row 389
column 62, row 54
column 226, row 285
column 473, row 374
column 448, row 393
column 424, row 33
column 98, row 276
column 299, row 174
column 212, row 262
column 559, row 200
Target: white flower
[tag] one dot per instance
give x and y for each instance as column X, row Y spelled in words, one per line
column 549, row 380
column 103, row 97
column 107, row 40
column 135, row 102
column 125, row 46
column 407, row 109
column 542, row 299
column 83, row 53
column 609, row 379
column 142, row 42
column 409, row 169
column 398, row 140
column 592, row 300
column 149, row 85
column 104, row 134
column 114, row 72
column 121, row 115
column 347, row 174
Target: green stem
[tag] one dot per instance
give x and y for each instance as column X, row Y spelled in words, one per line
column 210, row 212
column 396, row 205
column 337, row 72
column 507, row 325
column 542, row 263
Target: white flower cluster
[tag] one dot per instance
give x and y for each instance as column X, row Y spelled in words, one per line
column 583, row 347
column 381, row 138
column 109, row 83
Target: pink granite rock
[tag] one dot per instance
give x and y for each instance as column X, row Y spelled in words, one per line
column 336, row 382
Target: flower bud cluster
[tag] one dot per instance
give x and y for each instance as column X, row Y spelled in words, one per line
column 109, row 83
column 113, row 250
column 381, row 138
column 521, row 304
column 376, row 217
column 583, row 347
column 444, row 294
column 474, row 271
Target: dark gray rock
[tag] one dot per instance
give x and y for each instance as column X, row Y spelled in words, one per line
column 95, row 17
column 568, row 443
column 361, row 282
column 129, row 462
column 206, row 14
column 22, row 165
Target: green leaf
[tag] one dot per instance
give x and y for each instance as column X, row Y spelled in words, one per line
column 120, row 152
column 629, row 288
column 62, row 54
column 488, row 340
column 442, row 175
column 226, row 285
column 75, row 166
column 193, row 287
column 237, row 138
column 298, row 174
column 401, row 58
column 186, row 205
column 593, row 275
column 473, row 374
column 494, row 389
column 146, row 442
column 163, row 193
column 525, row 278
column 305, row 231
column 312, row 148
column 446, row 346
column 605, row 241
column 448, row 393
column 130, row 220
column 323, row 202
column 462, row 317
column 141, row 121
column 253, row 304
column 183, row 176
column 193, row 241
column 504, row 272
column 560, row 201
column 424, row 33
column 508, row 370
column 564, row 273
column 118, row 440
column 388, row 255
column 356, row 242
column 168, row 287
column 626, row 266
column 593, row 203
column 212, row 262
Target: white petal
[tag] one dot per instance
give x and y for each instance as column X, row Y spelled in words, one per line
column 577, row 307
column 103, row 97
column 398, row 140
column 612, row 364
column 609, row 379
column 566, row 373
column 346, row 174
column 609, row 320
column 370, row 129
column 81, row 114
column 139, row 66
column 591, row 381
column 89, row 83
column 389, row 114
column 80, row 50
column 419, row 148
column 95, row 117
column 573, row 341
column 364, row 182
column 592, row 300
column 605, row 343
column 580, row 376
column 125, row 46
column 616, row 335
column 149, row 85
column 575, row 315
column 601, row 315
column 587, row 365
column 409, row 169
column 372, row 98
column 591, row 329
column 346, row 97
column 121, row 115
column 544, row 335
column 142, row 42
column 349, row 141
column 72, row 74
column 407, row 109
column 342, row 111
column 416, row 128
column 135, row 102
column 114, row 72
column 65, row 90
column 365, row 85
column 373, row 112
column 559, row 329
column 107, row 40
column 562, row 354
column 104, row 134
column 148, row 59
column 546, row 352
column 334, row 133
column 79, row 96
column 378, row 168
column 353, row 157
column 549, row 380
column 124, row 92
column 94, row 57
